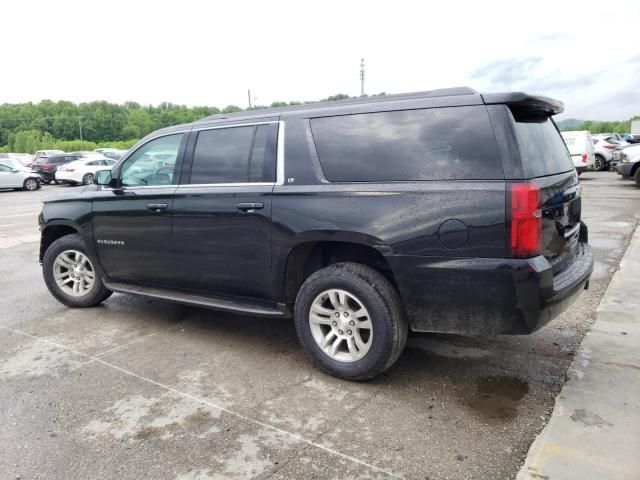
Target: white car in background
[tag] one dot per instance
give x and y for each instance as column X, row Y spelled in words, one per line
column 83, row 171
column 580, row 145
column 17, row 178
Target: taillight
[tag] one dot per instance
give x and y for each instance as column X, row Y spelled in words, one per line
column 609, row 146
column 526, row 220
column 70, row 169
column 584, row 158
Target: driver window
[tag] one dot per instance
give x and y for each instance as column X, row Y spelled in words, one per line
column 153, row 163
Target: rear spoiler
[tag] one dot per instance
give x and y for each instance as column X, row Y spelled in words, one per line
column 548, row 106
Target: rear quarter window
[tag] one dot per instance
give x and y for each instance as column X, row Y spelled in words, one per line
column 426, row 144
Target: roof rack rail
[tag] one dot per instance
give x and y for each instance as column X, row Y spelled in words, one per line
column 442, row 92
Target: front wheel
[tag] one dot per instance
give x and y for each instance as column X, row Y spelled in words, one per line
column 349, row 318
column 636, row 177
column 70, row 274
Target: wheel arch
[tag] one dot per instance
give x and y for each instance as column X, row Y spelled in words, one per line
column 55, row 230
column 311, row 254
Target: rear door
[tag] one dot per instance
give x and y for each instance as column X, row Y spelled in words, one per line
column 545, row 160
column 222, row 211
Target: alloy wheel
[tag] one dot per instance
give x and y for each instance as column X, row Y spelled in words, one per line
column 31, row 184
column 341, row 325
column 73, row 273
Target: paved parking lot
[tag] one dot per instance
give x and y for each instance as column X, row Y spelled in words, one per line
column 148, row 389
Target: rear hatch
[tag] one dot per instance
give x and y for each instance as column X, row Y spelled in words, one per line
column 546, row 162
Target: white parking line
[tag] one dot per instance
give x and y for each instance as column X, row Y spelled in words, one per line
column 210, row 404
column 30, row 214
column 115, row 349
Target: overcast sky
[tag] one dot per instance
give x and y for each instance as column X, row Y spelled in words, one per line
column 584, row 53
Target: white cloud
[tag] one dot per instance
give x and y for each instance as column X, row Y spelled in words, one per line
column 209, row 53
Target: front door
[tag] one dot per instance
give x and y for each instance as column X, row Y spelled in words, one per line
column 222, row 212
column 132, row 221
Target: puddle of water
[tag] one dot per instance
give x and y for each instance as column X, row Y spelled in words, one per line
column 496, row 398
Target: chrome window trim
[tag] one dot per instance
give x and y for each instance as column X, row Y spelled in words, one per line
column 280, row 154
column 239, row 184
column 138, row 187
column 279, row 159
column 218, row 127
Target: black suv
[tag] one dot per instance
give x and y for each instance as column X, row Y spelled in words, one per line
column 46, row 166
column 444, row 211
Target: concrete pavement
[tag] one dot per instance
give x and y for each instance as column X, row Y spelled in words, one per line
column 594, row 431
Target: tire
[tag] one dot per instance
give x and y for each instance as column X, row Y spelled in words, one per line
column 93, row 296
column 58, row 182
column 88, row 179
column 46, row 181
column 30, row 184
column 362, row 286
column 600, row 163
column 636, row 177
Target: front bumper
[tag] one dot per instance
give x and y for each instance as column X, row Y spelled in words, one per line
column 486, row 296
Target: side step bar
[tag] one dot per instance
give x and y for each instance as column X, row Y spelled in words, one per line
column 217, row 303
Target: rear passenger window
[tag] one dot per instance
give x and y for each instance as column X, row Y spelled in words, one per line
column 428, row 144
column 235, row 155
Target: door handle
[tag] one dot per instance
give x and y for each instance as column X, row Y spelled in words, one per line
column 250, row 207
column 156, row 207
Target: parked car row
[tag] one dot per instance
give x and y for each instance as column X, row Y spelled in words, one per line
column 23, row 171
column 627, row 162
column 598, row 151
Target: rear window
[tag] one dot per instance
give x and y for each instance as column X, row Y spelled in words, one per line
column 427, row 144
column 542, row 149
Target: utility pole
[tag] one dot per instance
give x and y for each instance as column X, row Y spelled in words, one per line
column 362, row 77
column 80, row 125
column 249, row 95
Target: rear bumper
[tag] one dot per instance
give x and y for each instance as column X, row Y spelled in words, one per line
column 64, row 176
column 483, row 296
column 45, row 175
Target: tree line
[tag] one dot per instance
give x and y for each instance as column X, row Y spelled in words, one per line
column 27, row 127
column 595, row 126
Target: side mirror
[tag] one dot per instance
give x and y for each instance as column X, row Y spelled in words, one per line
column 103, row 177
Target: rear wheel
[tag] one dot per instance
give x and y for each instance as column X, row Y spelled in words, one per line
column 349, row 318
column 30, row 184
column 88, row 179
column 636, row 177
column 70, row 274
